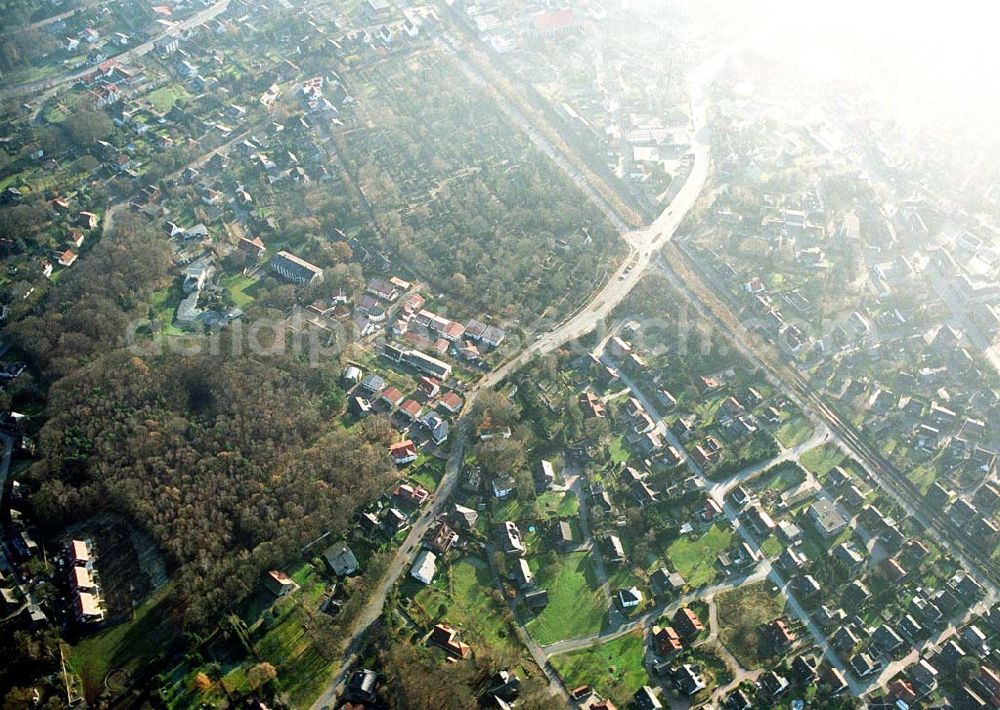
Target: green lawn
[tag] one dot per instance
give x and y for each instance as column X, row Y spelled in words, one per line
column 694, row 557
column 619, row 454
column 240, row 289
column 741, row 612
column 576, row 605
column 284, row 643
column 557, row 503
column 794, row 432
column 130, row 645
column 821, row 459
column 428, row 473
column 613, row 669
column 466, row 603
column 772, row 546
column 780, row 478
column 164, row 98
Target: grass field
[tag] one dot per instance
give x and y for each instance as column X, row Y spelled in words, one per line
column 467, row 604
column 129, row 645
column 163, row 99
column 694, row 557
column 613, row 669
column 619, row 454
column 576, row 605
column 772, row 546
column 428, row 473
column 821, row 459
column 794, row 432
column 284, row 643
column 547, row 505
column 241, row 289
column 557, row 503
column 741, row 613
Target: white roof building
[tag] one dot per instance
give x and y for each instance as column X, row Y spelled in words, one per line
column 424, row 567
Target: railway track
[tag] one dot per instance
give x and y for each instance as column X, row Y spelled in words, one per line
column 684, row 272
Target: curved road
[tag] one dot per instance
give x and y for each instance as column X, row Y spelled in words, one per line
column 643, row 244
column 50, row 85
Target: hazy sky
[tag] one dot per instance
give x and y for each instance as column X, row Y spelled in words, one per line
column 924, row 56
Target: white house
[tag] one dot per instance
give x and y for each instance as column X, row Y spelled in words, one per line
column 424, row 567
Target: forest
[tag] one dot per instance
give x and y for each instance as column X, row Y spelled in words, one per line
column 465, row 200
column 228, row 461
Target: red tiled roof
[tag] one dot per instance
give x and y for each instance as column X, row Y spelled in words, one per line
column 553, row 20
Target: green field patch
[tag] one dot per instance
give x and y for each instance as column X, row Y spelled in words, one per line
column 576, row 605
column 742, row 612
column 619, row 454
column 134, row 644
column 164, row 98
column 794, row 431
column 466, row 601
column 614, row 669
column 821, row 459
column 694, row 556
column 242, row 289
column 560, row 504
column 428, row 473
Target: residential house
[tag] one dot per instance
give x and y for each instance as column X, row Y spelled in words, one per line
column 629, row 598
column 340, row 559
column 437, row 427
column 279, row 583
column 445, row 636
column 523, row 574
column 295, row 269
column 886, row 639
column 781, row 634
column 773, row 684
column 847, row 554
column 615, row 550
column 537, row 600
column 645, row 699
column 253, row 248
column 403, row 452
column 88, row 608
column 666, row 641
column 667, row 581
column 462, row 517
column 503, row 486
column 450, row 402
column 510, row 538
column 424, row 567
column 827, row 519
column 562, row 535
column 864, row 665
column 687, row 623
column 688, row 679
column 442, row 537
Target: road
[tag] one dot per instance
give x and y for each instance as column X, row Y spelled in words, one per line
column 642, row 245
column 401, row 561
column 41, row 89
column 55, row 18
column 718, row 490
column 8, row 453
column 791, row 383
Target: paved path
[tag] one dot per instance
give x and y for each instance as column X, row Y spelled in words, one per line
column 718, row 489
column 41, row 89
column 643, row 244
column 654, row 614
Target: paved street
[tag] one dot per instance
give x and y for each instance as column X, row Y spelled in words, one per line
column 41, row 89
column 643, row 244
